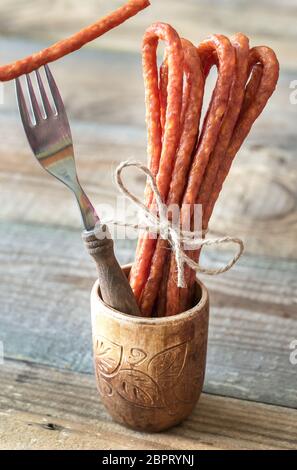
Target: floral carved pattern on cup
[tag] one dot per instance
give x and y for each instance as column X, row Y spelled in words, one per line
column 108, row 356
column 136, row 356
column 139, row 388
column 157, row 381
column 105, row 387
column 168, row 364
column 182, row 391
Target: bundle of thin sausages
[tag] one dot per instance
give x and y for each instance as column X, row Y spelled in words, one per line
column 73, row 43
column 191, row 163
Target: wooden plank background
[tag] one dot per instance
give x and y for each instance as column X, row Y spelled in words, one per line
column 45, row 273
column 46, row 408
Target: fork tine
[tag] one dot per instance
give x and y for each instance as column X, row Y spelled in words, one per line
column 35, row 106
column 46, row 104
column 25, row 115
column 55, row 91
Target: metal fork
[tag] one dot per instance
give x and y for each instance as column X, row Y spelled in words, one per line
column 49, row 136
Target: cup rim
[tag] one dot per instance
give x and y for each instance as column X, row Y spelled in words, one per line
column 180, row 317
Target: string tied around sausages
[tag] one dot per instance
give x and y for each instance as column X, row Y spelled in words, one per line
column 159, row 223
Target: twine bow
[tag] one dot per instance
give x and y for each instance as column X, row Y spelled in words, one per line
column 177, row 238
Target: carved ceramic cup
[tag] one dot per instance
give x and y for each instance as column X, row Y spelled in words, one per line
column 150, row 371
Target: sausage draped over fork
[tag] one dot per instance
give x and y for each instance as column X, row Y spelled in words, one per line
column 73, row 43
column 189, row 161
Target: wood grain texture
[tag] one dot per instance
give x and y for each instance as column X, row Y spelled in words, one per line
column 252, row 315
column 150, row 371
column 258, row 202
column 41, row 408
column 114, row 285
column 265, row 21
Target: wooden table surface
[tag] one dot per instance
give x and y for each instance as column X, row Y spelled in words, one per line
column 48, row 397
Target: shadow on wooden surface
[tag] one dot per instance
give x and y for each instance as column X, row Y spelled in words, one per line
column 46, row 275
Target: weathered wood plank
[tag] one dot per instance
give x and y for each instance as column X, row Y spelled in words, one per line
column 42, row 408
column 258, row 202
column 46, row 277
column 253, row 313
column 265, row 22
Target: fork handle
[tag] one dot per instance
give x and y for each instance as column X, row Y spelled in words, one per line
column 114, row 285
